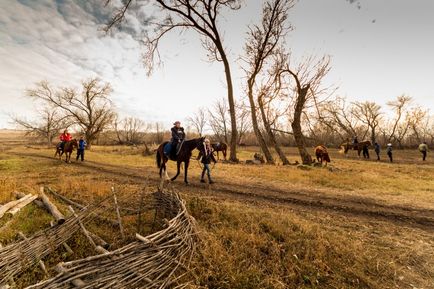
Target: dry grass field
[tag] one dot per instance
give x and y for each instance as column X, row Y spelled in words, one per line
column 361, row 224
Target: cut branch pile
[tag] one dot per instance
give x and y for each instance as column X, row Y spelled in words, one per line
column 158, row 260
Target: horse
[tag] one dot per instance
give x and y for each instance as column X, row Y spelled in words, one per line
column 220, row 147
column 346, row 146
column 322, row 154
column 68, row 148
column 183, row 156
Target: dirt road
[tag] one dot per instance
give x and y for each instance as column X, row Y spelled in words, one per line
column 359, row 207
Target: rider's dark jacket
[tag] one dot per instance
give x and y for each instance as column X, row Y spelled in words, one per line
column 178, row 134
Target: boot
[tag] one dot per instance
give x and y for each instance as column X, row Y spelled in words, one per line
column 210, row 181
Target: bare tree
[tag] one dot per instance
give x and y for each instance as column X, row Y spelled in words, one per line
column 416, row 120
column 200, row 16
column 90, row 108
column 244, row 123
column 369, row 113
column 47, row 127
column 130, row 130
column 198, row 121
column 308, row 87
column 338, row 116
column 219, row 120
column 399, row 107
column 262, row 41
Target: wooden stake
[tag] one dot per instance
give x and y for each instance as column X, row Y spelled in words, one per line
column 54, row 211
column 76, row 282
column 118, row 213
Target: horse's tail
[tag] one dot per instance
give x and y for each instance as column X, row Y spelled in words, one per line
column 158, row 159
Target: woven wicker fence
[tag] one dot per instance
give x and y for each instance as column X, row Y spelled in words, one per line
column 159, row 260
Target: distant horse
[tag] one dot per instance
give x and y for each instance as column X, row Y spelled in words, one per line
column 346, row 146
column 183, row 156
column 322, row 154
column 68, row 148
column 220, row 147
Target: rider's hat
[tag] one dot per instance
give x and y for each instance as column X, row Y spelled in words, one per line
column 176, row 122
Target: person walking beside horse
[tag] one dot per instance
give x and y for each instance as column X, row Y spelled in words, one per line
column 377, row 150
column 206, row 157
column 389, row 152
column 81, row 147
column 423, row 148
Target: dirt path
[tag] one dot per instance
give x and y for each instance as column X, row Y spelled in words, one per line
column 307, row 200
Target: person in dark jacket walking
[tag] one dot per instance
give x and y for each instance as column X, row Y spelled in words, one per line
column 423, row 148
column 365, row 150
column 206, row 157
column 389, row 152
column 377, row 150
column 81, row 147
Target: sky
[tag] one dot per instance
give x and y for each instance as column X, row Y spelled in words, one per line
column 379, row 49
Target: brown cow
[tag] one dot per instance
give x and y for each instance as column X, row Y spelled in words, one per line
column 322, row 154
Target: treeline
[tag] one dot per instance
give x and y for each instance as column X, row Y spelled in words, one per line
column 285, row 100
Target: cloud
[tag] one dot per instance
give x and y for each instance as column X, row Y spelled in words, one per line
column 61, row 42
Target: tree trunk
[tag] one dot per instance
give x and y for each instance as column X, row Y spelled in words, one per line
column 259, row 136
column 231, row 101
column 271, row 135
column 296, row 126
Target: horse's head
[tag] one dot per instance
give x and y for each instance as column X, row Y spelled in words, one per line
column 74, row 142
column 200, row 145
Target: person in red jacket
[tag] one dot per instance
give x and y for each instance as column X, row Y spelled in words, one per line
column 64, row 137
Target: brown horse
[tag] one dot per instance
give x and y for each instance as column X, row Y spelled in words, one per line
column 322, row 154
column 67, row 150
column 220, row 147
column 183, row 156
column 346, row 146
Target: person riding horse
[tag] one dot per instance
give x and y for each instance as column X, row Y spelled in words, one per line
column 64, row 137
column 178, row 136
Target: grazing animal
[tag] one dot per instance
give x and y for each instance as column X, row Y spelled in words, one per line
column 322, row 154
column 220, row 147
column 183, row 156
column 346, row 146
column 67, row 150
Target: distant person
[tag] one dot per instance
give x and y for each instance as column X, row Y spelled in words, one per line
column 365, row 151
column 178, row 136
column 389, row 152
column 206, row 157
column 355, row 140
column 377, row 149
column 64, row 137
column 81, row 147
column 423, row 148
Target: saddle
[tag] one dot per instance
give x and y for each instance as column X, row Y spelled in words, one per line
column 172, row 151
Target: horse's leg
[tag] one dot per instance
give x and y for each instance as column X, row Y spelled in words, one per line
column 224, row 154
column 186, row 163
column 178, row 166
column 218, row 155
